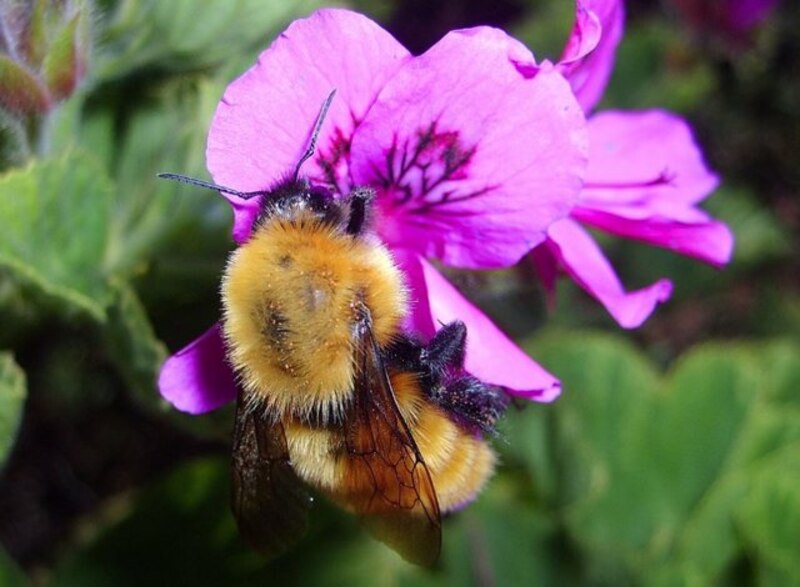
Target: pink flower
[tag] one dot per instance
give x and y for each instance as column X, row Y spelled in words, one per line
column 644, row 180
column 466, row 171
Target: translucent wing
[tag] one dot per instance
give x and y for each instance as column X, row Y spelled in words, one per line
column 386, row 480
column 270, row 503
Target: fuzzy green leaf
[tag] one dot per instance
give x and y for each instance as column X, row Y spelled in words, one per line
column 56, row 230
column 181, row 35
column 133, row 346
column 167, row 134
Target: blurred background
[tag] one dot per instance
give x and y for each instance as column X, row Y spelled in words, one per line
column 672, row 457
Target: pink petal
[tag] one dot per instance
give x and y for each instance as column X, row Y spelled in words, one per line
column 584, row 38
column 709, row 241
column 472, row 159
column 645, row 158
column 491, row 355
column 263, row 123
column 588, row 57
column 244, row 215
column 197, row 378
column 583, row 260
column 645, row 176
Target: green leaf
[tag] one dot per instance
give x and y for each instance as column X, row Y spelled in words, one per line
column 180, row 35
column 166, row 134
column 12, row 402
column 56, row 230
column 603, row 399
column 769, row 516
column 21, row 92
column 782, row 372
column 526, row 437
column 133, row 346
column 708, row 542
column 653, row 470
column 503, row 541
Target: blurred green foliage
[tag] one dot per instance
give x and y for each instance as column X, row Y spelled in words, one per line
column 637, row 478
column 12, row 399
column 669, row 460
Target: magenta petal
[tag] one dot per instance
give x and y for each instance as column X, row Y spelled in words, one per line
column 583, row 260
column 588, row 57
column 244, row 215
column 476, row 160
column 197, row 378
column 263, row 123
column 644, row 158
column 645, row 176
column 709, row 241
column 584, row 38
column 491, row 355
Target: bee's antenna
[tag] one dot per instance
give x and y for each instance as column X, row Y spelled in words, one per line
column 210, row 186
column 315, row 134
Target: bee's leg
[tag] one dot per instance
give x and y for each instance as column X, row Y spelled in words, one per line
column 404, row 354
column 446, row 349
column 473, row 402
column 359, row 198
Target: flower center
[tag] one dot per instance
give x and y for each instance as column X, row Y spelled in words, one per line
column 419, row 172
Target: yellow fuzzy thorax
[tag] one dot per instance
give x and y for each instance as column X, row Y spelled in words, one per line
column 290, row 297
column 459, row 462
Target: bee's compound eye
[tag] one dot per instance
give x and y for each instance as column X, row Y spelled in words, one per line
column 319, row 192
column 323, row 204
column 318, row 198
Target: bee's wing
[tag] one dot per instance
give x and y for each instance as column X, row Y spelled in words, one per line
column 270, row 503
column 387, row 482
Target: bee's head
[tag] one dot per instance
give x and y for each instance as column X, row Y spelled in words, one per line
column 298, row 199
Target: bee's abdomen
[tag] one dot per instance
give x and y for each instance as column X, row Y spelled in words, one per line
column 290, row 296
column 460, row 462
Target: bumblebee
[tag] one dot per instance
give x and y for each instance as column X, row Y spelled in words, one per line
column 332, row 394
